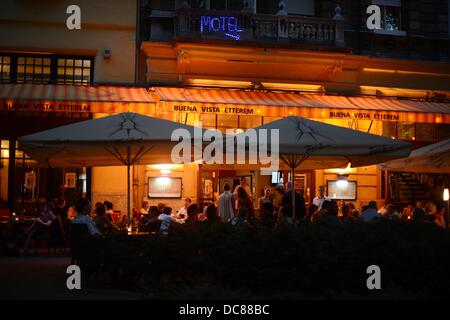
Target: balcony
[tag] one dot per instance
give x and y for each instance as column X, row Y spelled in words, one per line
column 243, row 26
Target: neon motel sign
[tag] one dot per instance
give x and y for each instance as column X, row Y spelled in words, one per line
column 226, row 24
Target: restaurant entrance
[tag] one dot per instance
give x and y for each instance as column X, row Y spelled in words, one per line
column 212, row 183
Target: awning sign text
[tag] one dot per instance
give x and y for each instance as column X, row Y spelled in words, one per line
column 364, row 116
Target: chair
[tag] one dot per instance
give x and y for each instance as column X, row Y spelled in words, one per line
column 57, row 235
column 79, row 236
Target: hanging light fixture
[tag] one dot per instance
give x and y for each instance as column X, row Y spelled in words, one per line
column 342, row 181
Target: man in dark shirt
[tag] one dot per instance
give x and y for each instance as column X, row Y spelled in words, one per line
column 286, row 201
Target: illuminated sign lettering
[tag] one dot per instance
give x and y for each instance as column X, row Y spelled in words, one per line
column 227, row 25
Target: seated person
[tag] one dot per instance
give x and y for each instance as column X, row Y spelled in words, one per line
column 192, row 212
column 104, row 225
column 182, row 213
column 45, row 220
column 109, row 209
column 145, row 207
column 211, row 214
column 83, row 208
column 48, row 217
column 166, row 220
column 286, row 218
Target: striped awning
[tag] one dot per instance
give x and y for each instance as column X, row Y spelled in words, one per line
column 72, row 98
column 256, row 98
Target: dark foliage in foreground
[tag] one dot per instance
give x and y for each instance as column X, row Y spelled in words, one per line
column 306, row 262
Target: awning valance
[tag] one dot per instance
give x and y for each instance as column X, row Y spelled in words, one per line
column 306, row 105
column 71, row 98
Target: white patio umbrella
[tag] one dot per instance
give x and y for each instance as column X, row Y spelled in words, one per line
column 434, row 158
column 317, row 145
column 121, row 139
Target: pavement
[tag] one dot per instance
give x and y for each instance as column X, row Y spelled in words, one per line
column 44, row 277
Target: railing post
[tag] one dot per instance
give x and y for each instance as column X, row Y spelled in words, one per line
column 339, row 25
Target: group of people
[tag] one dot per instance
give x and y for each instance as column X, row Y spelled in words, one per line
column 275, row 208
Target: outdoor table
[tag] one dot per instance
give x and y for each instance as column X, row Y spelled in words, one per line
column 141, row 234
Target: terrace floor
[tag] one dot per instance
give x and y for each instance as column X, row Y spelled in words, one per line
column 44, row 277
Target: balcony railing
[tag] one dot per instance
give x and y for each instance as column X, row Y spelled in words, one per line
column 258, row 27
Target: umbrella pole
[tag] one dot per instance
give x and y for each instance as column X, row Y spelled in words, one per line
column 293, row 191
column 128, row 194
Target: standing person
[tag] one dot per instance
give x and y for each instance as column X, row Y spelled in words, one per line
column 244, row 185
column 182, row 213
column 439, row 218
column 419, row 212
column 245, row 201
column 430, row 211
column 318, row 200
column 300, row 207
column 266, row 198
column 226, row 208
column 281, row 193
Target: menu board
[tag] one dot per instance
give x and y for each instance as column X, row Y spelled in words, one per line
column 342, row 192
column 164, row 187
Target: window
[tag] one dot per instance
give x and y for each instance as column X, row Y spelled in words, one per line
column 231, row 5
column 425, row 132
column 442, row 131
column 304, row 7
column 33, row 69
column 43, row 69
column 74, row 71
column 390, row 129
column 248, row 122
column 227, row 122
column 406, row 130
column 5, row 68
column 390, row 18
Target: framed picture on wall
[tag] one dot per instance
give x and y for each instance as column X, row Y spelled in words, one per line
column 70, row 180
column 342, row 191
column 30, row 180
column 164, row 187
